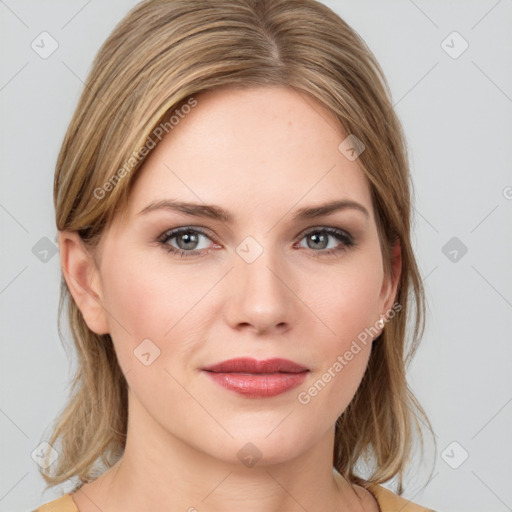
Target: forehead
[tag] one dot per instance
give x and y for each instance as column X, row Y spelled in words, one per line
column 250, row 148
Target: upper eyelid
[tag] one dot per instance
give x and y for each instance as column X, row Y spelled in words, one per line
column 173, row 232
column 328, row 229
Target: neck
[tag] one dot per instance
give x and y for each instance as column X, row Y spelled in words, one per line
column 158, row 471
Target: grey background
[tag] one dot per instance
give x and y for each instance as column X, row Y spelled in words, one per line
column 456, row 114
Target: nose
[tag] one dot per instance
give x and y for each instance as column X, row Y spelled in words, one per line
column 260, row 296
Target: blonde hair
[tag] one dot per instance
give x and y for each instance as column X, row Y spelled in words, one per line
column 157, row 58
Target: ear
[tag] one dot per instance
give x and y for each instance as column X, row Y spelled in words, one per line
column 83, row 279
column 390, row 284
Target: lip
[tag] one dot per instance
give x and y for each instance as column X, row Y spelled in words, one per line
column 258, row 379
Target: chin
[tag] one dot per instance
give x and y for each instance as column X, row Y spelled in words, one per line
column 264, row 446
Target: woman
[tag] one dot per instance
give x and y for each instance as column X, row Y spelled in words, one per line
column 233, row 206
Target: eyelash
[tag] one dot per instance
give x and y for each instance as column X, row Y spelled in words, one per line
column 342, row 236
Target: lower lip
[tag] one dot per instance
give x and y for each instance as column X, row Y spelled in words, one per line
column 258, row 385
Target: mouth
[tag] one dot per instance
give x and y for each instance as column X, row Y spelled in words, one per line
column 257, row 379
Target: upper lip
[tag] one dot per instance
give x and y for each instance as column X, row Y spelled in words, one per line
column 249, row 365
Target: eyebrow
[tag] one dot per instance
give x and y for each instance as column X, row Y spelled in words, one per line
column 218, row 213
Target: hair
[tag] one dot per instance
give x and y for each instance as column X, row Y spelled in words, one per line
column 156, row 59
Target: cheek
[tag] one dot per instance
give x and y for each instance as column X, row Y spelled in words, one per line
column 134, row 302
column 350, row 308
column 350, row 300
column 151, row 301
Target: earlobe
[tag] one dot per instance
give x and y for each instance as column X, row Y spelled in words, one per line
column 83, row 280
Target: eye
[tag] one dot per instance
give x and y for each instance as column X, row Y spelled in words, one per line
column 332, row 239
column 188, row 241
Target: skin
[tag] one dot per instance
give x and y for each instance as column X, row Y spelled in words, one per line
column 261, row 154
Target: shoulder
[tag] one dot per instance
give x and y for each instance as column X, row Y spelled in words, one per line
column 387, row 500
column 63, row 504
column 390, row 502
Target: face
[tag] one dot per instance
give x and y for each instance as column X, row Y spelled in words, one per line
column 254, row 268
